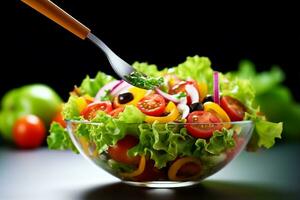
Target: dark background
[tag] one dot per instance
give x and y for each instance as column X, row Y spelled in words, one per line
column 160, row 34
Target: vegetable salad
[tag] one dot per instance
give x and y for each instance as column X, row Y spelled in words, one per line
column 166, row 132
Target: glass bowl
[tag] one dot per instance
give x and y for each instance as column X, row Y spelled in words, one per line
column 181, row 171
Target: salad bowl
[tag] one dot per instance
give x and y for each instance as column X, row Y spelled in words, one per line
column 174, row 135
column 199, row 158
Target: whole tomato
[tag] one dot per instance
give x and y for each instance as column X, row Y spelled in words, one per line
column 29, row 132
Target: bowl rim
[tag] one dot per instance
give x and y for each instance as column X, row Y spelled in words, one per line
column 244, row 122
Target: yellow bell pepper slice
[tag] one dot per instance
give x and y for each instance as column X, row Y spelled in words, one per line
column 81, row 103
column 138, row 94
column 88, row 98
column 202, row 88
column 217, row 110
column 173, row 115
column 175, row 167
column 138, row 171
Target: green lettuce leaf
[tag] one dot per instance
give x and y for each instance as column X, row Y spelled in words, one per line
column 165, row 142
column 149, row 69
column 278, row 105
column 91, row 86
column 112, row 129
column 162, row 143
column 218, row 143
column 263, row 81
column 70, row 109
column 197, row 68
column 59, row 138
column 131, row 114
column 107, row 133
column 264, row 133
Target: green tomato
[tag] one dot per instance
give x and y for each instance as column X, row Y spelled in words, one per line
column 36, row 99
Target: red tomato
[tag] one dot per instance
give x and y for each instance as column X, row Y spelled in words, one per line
column 29, row 132
column 234, row 108
column 202, row 130
column 115, row 112
column 59, row 119
column 151, row 173
column 90, row 111
column 153, row 105
column 119, row 151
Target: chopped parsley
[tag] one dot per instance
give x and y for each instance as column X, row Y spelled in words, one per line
column 140, row 80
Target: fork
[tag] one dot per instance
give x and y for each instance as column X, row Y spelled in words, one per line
column 55, row 13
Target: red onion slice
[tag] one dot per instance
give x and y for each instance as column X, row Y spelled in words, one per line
column 167, row 96
column 216, row 88
column 192, row 92
column 120, row 82
column 107, row 87
column 184, row 109
column 183, row 100
column 119, row 88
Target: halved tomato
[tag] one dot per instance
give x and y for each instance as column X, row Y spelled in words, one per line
column 153, row 105
column 90, row 111
column 233, row 107
column 202, row 124
column 115, row 112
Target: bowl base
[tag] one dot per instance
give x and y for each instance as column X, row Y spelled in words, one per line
column 162, row 184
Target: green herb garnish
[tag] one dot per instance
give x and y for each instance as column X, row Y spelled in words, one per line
column 140, row 80
column 180, row 95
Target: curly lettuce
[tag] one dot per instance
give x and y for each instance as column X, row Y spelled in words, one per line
column 197, row 68
column 59, row 138
column 91, row 86
column 110, row 130
column 165, row 142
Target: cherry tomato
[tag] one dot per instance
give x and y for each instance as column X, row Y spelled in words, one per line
column 59, row 119
column 202, row 130
column 119, row 151
column 29, row 132
column 151, row 173
column 234, row 108
column 90, row 111
column 115, row 112
column 153, row 105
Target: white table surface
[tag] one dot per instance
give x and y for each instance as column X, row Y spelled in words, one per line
column 45, row 174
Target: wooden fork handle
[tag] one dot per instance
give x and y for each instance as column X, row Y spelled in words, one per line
column 55, row 13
